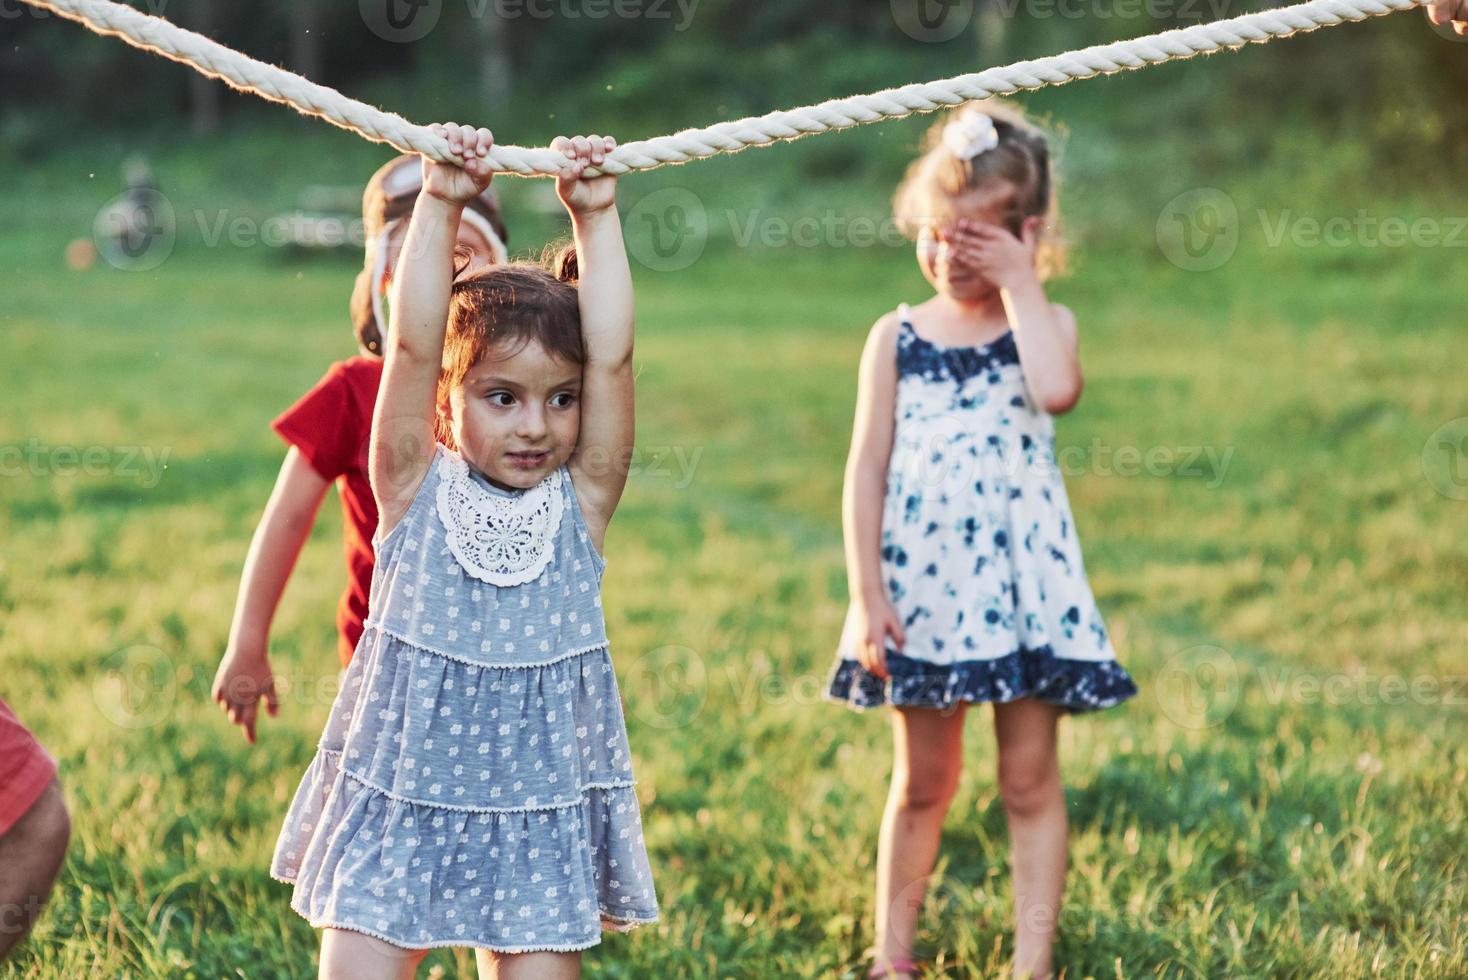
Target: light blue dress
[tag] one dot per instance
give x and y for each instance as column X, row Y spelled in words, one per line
column 979, row 555
column 473, row 785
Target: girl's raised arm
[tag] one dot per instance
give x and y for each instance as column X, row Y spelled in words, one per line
column 603, row 451
column 403, row 442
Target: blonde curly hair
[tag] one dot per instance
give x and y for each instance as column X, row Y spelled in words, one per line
column 1015, row 178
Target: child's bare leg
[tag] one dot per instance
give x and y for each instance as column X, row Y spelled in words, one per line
column 31, row 854
column 927, row 761
column 350, row 955
column 1034, row 801
column 528, row 966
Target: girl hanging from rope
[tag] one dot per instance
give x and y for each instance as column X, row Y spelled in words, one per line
column 1452, row 13
column 473, row 786
column 327, row 432
column 963, row 563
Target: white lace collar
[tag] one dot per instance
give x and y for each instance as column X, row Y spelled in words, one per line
column 500, row 539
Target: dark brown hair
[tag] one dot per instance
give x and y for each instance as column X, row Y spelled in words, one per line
column 503, row 308
column 1016, row 175
column 389, row 196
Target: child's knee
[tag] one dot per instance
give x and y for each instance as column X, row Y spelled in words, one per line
column 932, row 787
column 347, row 953
column 544, row 965
column 1027, row 784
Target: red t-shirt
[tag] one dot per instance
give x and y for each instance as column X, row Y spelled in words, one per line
column 26, row 769
column 330, row 426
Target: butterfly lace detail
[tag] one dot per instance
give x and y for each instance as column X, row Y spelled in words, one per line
column 499, row 540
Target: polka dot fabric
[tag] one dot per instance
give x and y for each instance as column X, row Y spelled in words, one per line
column 473, row 785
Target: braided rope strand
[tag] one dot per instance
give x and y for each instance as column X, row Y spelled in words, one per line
column 278, row 85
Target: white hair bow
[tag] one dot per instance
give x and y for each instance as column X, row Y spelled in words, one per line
column 970, row 134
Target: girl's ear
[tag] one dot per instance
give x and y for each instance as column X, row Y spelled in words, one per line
column 1030, row 230
column 443, row 408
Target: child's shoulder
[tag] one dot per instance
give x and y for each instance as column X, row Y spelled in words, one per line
column 356, row 372
column 879, row 354
column 884, row 331
column 360, row 369
column 360, row 377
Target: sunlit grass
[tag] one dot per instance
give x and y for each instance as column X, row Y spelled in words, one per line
column 1300, row 820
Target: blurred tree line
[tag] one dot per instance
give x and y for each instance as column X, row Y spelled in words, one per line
column 654, row 65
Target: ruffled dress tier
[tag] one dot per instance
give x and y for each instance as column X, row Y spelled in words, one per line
column 473, row 785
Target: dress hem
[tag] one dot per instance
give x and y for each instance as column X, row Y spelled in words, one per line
column 373, row 624
column 581, row 795
column 609, row 923
column 1036, row 673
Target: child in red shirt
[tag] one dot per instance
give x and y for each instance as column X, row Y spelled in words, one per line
column 34, row 829
column 26, row 769
column 327, row 433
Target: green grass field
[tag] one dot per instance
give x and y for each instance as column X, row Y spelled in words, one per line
column 1283, row 575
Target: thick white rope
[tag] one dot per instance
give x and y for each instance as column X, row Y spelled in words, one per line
column 278, row 85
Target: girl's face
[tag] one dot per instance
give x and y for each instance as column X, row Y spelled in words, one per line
column 517, row 417
column 469, row 237
column 945, row 271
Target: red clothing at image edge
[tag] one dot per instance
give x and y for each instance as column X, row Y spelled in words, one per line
column 26, row 769
column 330, row 427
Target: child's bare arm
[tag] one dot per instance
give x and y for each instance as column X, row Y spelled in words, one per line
column 244, row 675
column 1454, row 12
column 865, row 489
column 608, row 416
column 865, row 485
column 1045, row 333
column 402, row 441
column 1049, row 350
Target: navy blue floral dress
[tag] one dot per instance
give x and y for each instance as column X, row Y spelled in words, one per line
column 979, row 550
